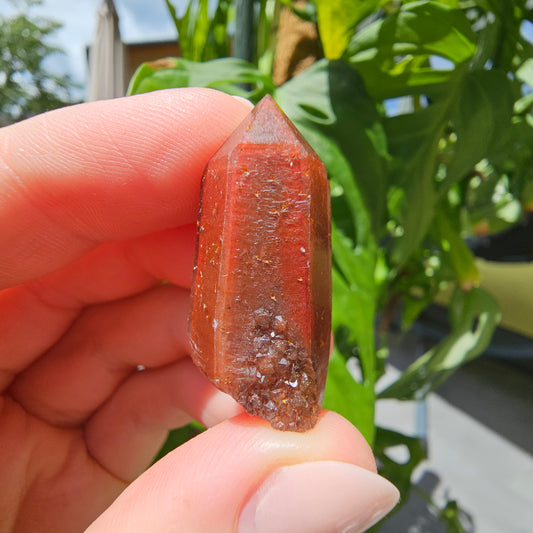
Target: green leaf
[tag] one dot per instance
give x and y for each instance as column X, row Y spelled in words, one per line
column 480, row 118
column 451, row 516
column 354, row 302
column 173, row 15
column 508, row 18
column 413, row 306
column 354, row 305
column 225, row 74
column 476, row 108
column 179, row 436
column 525, row 72
column 414, row 141
column 201, row 31
column 456, row 252
column 356, row 264
column 182, row 27
column 448, row 3
column 337, row 20
column 200, row 36
column 398, row 473
column 474, row 316
column 392, row 54
column 219, row 38
column 523, row 104
column 352, row 322
column 349, row 398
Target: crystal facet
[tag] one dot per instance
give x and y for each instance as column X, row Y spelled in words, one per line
column 261, row 316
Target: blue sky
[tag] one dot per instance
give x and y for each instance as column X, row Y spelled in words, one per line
column 140, row 20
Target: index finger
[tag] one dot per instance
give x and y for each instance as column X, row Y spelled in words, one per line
column 77, row 177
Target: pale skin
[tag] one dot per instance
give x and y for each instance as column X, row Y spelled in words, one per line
column 98, row 204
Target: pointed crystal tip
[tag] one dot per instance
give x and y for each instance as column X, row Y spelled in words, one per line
column 268, row 124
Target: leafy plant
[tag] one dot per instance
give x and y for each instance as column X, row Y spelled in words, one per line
column 421, row 111
column 202, row 35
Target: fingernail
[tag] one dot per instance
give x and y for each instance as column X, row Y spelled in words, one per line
column 218, row 408
column 318, row 497
column 242, row 99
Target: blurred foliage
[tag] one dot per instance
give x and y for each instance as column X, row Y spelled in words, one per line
column 202, row 34
column 422, row 113
column 27, row 85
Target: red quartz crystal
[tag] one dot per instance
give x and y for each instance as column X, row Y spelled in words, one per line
column 261, row 316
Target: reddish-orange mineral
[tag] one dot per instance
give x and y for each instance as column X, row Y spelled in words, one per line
column 261, row 317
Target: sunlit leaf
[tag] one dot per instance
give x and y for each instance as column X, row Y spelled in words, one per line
column 398, row 473
column 473, row 317
column 349, row 398
column 392, row 53
column 337, row 20
column 455, row 250
column 451, row 516
column 480, row 116
column 476, row 107
column 179, row 436
column 226, row 74
column 200, row 35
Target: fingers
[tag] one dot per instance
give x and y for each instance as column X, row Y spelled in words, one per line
column 36, row 314
column 127, row 432
column 118, row 269
column 100, row 350
column 104, row 171
column 242, row 475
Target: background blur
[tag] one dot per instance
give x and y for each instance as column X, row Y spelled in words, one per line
column 140, row 21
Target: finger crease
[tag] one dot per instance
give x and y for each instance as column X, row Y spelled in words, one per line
column 19, row 185
column 131, row 258
column 33, row 287
column 99, row 463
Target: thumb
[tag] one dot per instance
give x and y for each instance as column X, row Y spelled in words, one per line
column 242, row 476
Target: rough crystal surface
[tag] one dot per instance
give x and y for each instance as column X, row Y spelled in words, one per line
column 261, row 315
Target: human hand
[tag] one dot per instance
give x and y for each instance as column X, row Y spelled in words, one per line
column 97, row 206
